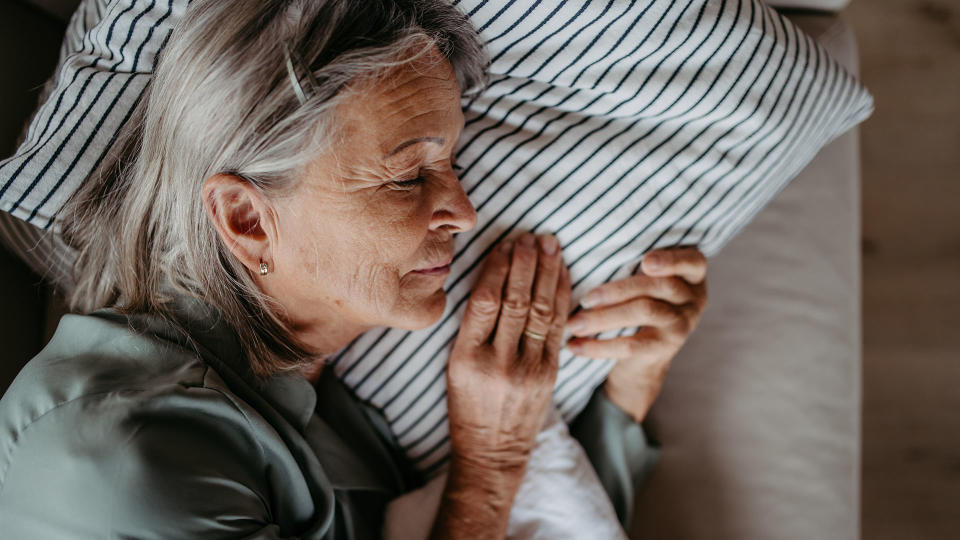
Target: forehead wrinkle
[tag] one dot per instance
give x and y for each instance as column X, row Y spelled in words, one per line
column 409, row 101
column 430, row 83
column 409, row 74
column 420, row 84
column 411, row 116
column 413, row 103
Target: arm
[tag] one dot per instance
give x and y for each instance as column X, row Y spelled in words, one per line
column 499, row 384
column 92, row 468
column 618, row 448
column 476, row 504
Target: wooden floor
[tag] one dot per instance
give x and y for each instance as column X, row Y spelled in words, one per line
column 910, row 58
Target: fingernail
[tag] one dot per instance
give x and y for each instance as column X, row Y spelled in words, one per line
column 549, row 244
column 573, row 347
column 506, row 246
column 592, row 298
column 527, row 240
column 653, row 261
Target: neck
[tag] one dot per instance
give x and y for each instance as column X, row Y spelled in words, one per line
column 324, row 339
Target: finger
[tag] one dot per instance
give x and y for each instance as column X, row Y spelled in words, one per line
column 483, row 306
column 561, row 309
column 670, row 289
column 687, row 263
column 516, row 296
column 540, row 316
column 642, row 311
column 645, row 343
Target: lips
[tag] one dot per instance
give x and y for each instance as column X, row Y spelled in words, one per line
column 436, row 269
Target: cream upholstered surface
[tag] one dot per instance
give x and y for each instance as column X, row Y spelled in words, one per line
column 759, row 418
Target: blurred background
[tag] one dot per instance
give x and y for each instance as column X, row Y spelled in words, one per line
column 910, row 60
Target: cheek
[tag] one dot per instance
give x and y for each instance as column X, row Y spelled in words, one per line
column 353, row 257
column 397, row 228
column 366, row 251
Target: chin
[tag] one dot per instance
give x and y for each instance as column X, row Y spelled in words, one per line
column 426, row 313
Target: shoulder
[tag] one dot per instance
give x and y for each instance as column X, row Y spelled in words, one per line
column 115, row 432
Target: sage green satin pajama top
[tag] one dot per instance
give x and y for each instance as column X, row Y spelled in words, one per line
column 135, row 427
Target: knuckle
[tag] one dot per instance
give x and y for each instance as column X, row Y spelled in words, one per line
column 527, row 256
column 484, row 303
column 616, row 288
column 676, row 287
column 645, row 307
column 662, row 312
column 516, row 303
column 542, row 310
column 673, row 314
column 634, row 348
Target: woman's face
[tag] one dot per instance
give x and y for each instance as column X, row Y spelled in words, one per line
column 366, row 237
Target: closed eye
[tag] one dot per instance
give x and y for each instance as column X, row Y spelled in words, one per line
column 408, row 184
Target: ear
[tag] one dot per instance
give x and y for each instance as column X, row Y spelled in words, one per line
column 243, row 217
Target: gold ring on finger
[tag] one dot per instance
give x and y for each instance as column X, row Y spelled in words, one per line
column 533, row 335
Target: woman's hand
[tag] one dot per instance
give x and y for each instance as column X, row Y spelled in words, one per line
column 666, row 301
column 500, row 380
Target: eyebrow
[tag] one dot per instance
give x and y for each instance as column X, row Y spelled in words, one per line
column 436, row 140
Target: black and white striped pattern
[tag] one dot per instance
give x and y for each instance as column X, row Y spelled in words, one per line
column 619, row 125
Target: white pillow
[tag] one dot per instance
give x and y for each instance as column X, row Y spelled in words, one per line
column 620, row 126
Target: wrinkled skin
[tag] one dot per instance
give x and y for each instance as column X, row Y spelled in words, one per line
column 354, row 232
column 667, row 301
column 500, row 380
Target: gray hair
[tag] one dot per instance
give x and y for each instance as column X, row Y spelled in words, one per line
column 222, row 100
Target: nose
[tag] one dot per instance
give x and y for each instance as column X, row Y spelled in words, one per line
column 454, row 212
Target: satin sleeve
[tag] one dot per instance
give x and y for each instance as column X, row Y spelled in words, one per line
column 619, row 449
column 103, row 467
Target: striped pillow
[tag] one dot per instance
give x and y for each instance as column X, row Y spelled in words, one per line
column 618, row 125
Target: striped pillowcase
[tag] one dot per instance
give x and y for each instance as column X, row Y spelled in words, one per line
column 618, row 125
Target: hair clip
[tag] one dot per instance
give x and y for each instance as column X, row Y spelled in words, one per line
column 294, row 80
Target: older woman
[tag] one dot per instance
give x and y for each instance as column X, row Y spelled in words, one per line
column 288, row 184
